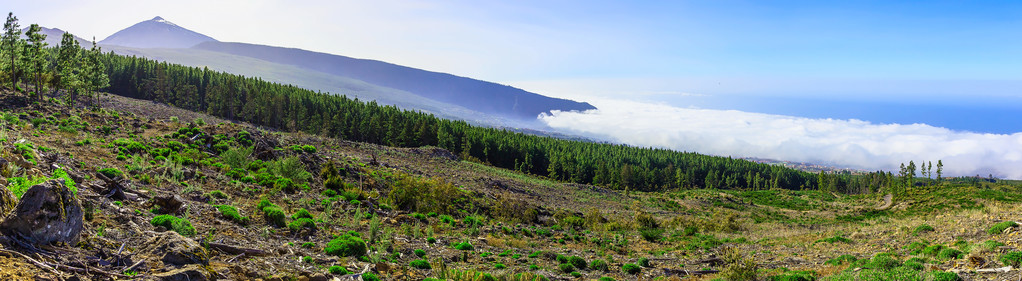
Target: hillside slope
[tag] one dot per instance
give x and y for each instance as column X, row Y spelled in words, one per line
column 295, row 194
column 470, row 93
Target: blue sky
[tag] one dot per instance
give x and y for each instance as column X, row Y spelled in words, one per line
column 933, row 79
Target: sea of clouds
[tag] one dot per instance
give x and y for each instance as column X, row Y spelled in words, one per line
column 844, row 143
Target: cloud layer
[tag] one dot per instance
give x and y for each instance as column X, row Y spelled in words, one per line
column 846, row 143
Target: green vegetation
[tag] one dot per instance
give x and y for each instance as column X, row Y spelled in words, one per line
column 1013, row 258
column 346, row 246
column 179, row 225
column 1001, row 226
column 420, row 264
column 631, row 268
column 230, row 212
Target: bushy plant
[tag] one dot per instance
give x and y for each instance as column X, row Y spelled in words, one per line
column 464, row 246
column 1001, row 226
column 843, row 259
column 794, row 276
column 605, row 278
column 337, row 270
column 577, row 262
column 179, row 225
column 566, row 267
column 943, row 276
column 949, row 254
column 111, row 172
column 301, row 213
column 346, row 246
column 231, row 213
column 370, row 277
column 419, row 253
column 600, row 265
column 1013, row 258
column 631, row 268
column 302, row 223
column 423, row 195
column 922, row 229
column 420, row 264
column 644, row 262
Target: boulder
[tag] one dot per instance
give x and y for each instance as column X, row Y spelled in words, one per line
column 47, row 213
column 186, row 273
column 173, row 249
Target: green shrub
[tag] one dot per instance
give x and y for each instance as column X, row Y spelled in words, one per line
column 644, row 262
column 943, row 276
column 576, row 274
column 308, row 245
column 301, row 213
column 419, row 216
column 274, row 215
column 883, row 261
column 420, row 253
column 916, row 247
column 843, row 259
column 231, row 213
column 464, row 246
column 561, row 258
column 302, row 223
column 1013, row 258
column 794, row 276
column 308, row 148
column 535, row 254
column 605, row 278
column 933, row 250
column 651, row 234
column 566, row 267
column 949, row 254
column 370, row 277
column 346, row 246
column 179, row 225
column 420, row 264
column 1001, row 226
column 290, row 167
column 631, row 268
column 111, row 172
column 598, row 265
column 578, row 262
column 990, row 245
column 499, row 266
column 922, row 229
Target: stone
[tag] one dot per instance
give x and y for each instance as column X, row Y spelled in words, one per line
column 173, row 249
column 47, row 213
column 169, row 204
column 186, row 273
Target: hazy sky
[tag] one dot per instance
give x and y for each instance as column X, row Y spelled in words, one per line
column 858, row 50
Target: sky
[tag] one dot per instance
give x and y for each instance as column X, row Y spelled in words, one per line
column 950, row 66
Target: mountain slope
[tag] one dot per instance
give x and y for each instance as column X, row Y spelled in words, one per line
column 54, row 35
column 318, row 81
column 470, row 93
column 156, row 33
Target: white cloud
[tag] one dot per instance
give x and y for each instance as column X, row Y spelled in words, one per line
column 849, row 143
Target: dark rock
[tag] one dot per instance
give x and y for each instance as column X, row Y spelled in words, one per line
column 47, row 213
column 173, row 249
column 187, row 273
column 169, row 204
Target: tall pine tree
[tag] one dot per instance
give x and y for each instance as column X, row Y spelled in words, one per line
column 35, row 58
column 11, row 43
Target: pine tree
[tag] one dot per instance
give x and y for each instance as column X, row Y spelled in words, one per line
column 35, row 57
column 95, row 77
column 940, row 169
column 69, row 67
column 11, row 43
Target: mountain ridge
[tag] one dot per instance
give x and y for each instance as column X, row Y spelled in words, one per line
column 156, row 33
